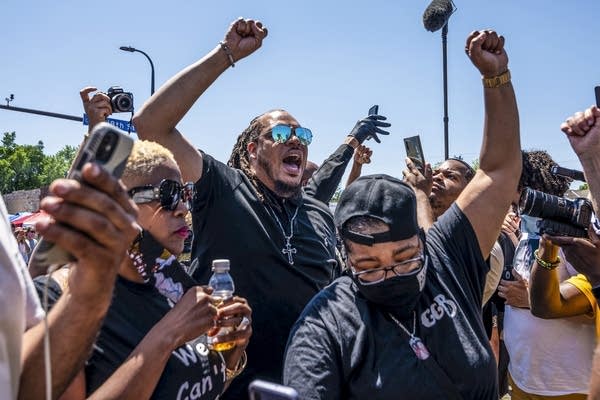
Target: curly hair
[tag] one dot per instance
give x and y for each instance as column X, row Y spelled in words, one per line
column 536, row 174
column 239, row 154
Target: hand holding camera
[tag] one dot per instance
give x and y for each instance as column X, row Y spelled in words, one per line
column 101, row 105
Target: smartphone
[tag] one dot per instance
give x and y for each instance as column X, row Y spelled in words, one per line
column 107, row 146
column 374, row 110
column 597, row 90
column 263, row 390
column 415, row 152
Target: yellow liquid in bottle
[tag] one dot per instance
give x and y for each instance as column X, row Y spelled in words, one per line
column 223, row 346
column 218, row 301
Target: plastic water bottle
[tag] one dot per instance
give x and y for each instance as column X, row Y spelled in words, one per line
column 223, row 288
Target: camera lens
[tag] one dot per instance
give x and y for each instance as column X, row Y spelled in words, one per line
column 122, row 103
column 543, row 205
column 104, row 151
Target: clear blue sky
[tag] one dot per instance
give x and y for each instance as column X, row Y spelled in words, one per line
column 324, row 61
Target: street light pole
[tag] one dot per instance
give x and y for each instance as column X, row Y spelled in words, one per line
column 133, row 49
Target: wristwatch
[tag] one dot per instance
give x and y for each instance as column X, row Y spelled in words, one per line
column 497, row 81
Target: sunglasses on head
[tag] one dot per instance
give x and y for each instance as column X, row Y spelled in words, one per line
column 283, row 133
column 169, row 193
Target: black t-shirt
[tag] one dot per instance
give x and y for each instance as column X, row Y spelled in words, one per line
column 54, row 290
column 231, row 222
column 192, row 371
column 344, row 347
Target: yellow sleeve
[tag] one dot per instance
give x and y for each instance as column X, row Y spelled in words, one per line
column 585, row 287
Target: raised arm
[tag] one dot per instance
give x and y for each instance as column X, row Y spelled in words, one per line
column 487, row 197
column 421, row 184
column 583, row 131
column 158, row 117
column 326, row 179
column 362, row 155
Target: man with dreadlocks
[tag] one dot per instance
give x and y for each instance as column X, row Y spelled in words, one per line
column 280, row 241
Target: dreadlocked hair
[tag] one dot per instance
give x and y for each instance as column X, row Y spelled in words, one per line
column 239, row 154
column 537, row 174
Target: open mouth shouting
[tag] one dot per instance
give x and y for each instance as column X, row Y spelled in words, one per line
column 292, row 163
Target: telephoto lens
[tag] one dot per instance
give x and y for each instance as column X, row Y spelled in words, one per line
column 563, row 212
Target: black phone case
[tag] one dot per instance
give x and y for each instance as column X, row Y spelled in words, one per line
column 414, row 151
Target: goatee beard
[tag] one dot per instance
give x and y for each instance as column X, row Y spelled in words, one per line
column 286, row 190
column 280, row 188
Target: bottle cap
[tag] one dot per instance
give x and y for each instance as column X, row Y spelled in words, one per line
column 220, row 265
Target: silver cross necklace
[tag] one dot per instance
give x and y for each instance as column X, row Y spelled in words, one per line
column 289, row 251
column 416, row 344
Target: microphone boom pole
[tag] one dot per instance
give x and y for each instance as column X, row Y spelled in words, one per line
column 445, row 75
column 436, row 16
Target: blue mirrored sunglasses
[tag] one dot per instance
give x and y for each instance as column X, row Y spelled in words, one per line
column 283, row 133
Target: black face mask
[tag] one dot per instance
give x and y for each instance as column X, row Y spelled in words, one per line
column 398, row 294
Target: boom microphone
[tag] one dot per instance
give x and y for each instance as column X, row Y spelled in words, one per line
column 437, row 14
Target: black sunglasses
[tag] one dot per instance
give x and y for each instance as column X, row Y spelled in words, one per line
column 168, row 192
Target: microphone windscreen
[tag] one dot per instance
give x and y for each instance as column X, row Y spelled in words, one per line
column 437, row 14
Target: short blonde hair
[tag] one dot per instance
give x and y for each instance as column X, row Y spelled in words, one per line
column 145, row 157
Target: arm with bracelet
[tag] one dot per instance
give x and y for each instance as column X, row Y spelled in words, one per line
column 159, row 116
column 549, row 295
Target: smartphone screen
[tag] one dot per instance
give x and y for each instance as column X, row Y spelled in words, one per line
column 415, row 152
column 374, row 110
column 597, row 90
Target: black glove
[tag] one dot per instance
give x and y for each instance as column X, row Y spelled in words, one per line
column 368, row 128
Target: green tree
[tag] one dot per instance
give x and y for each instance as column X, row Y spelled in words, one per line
column 57, row 165
column 24, row 167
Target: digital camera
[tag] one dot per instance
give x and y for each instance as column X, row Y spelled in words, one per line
column 559, row 216
column 120, row 101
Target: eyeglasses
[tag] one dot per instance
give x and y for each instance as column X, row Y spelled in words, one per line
column 376, row 275
column 283, row 133
column 169, row 193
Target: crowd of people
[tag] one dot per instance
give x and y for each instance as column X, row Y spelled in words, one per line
column 435, row 285
column 26, row 240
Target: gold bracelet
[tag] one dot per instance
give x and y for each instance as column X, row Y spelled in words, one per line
column 232, row 373
column 497, row 81
column 549, row 265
